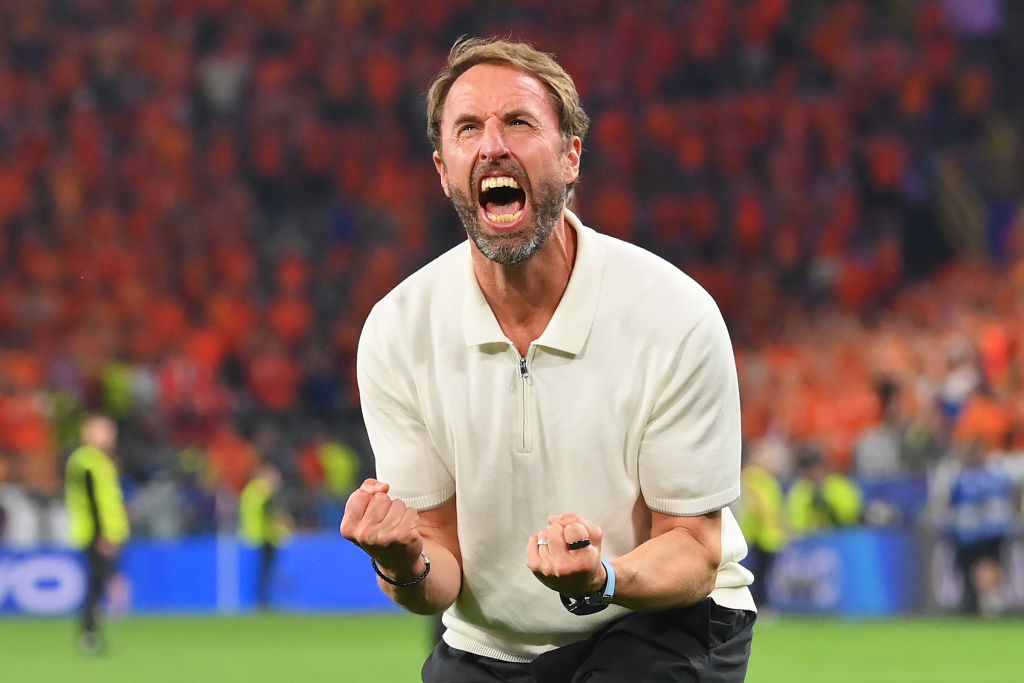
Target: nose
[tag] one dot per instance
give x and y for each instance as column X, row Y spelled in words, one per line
column 492, row 141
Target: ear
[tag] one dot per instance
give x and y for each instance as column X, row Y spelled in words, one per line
column 571, row 168
column 443, row 172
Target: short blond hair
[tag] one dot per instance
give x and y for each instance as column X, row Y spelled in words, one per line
column 468, row 52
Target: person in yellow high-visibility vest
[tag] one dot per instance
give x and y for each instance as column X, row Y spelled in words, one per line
column 761, row 513
column 98, row 522
column 263, row 524
column 821, row 499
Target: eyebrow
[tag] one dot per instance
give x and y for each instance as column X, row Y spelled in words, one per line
column 464, row 118
column 510, row 115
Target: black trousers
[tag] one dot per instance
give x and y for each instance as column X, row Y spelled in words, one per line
column 763, row 561
column 703, row 643
column 967, row 556
column 265, row 575
column 100, row 568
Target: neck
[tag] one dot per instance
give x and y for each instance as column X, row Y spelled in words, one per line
column 523, row 297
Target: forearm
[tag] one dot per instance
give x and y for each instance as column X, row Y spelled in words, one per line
column 673, row 569
column 436, row 592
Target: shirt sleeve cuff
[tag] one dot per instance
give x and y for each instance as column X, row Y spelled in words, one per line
column 693, row 507
column 426, row 501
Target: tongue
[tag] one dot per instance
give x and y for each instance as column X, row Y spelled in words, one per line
column 503, row 209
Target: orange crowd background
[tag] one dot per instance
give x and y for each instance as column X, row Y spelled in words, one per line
column 201, row 200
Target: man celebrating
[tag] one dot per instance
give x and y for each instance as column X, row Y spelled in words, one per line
column 554, row 416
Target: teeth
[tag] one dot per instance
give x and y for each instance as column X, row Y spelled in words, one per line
column 491, row 182
column 504, row 217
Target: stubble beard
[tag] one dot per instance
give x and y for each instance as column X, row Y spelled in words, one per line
column 510, row 249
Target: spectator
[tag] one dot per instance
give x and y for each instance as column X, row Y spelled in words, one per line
column 821, row 499
column 99, row 523
column 761, row 514
column 264, row 524
column 981, row 514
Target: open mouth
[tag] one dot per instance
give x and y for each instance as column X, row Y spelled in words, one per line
column 502, row 199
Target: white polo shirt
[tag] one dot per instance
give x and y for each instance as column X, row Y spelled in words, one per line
column 628, row 401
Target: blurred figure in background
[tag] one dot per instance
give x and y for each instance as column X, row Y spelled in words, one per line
column 329, row 469
column 980, row 504
column 821, row 498
column 761, row 512
column 879, row 453
column 892, row 457
column 98, row 520
column 265, row 524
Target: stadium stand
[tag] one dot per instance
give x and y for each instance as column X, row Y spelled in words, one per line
column 200, row 202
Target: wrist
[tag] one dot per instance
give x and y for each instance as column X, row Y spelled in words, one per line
column 596, row 600
column 600, row 579
column 401, row 578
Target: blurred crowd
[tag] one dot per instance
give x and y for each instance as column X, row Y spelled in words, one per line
column 201, row 200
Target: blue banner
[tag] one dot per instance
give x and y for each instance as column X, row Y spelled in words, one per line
column 41, row 582
column 313, row 572
column 856, row 571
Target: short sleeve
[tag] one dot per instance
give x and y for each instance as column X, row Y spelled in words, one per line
column 403, row 451
column 689, row 459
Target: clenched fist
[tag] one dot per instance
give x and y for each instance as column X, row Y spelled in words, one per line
column 560, row 568
column 385, row 528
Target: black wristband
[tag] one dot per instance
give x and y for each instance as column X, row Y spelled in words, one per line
column 403, row 584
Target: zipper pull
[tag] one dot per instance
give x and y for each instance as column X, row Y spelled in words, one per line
column 523, row 371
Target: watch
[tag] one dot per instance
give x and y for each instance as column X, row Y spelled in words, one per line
column 596, row 601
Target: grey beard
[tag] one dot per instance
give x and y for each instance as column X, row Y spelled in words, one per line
column 513, row 249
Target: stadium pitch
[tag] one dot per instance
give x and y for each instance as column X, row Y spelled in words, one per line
column 390, row 649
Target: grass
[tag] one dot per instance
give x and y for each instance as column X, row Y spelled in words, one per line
column 788, row 650
column 390, row 648
column 253, row 649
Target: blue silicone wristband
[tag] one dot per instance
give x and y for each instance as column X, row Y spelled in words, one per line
column 609, row 585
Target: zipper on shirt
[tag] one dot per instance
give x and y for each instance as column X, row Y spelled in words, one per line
column 526, row 404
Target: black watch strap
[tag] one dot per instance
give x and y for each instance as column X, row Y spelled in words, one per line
column 596, row 601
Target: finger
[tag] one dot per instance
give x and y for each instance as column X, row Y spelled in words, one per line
column 553, row 535
column 557, row 550
column 393, row 515
column 594, row 532
column 533, row 554
column 372, row 486
column 576, row 536
column 400, row 525
column 537, row 554
column 355, row 509
column 377, row 508
column 563, row 518
column 398, row 538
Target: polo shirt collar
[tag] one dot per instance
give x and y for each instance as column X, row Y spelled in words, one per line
column 570, row 325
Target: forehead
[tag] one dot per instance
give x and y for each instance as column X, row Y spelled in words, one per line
column 487, row 89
